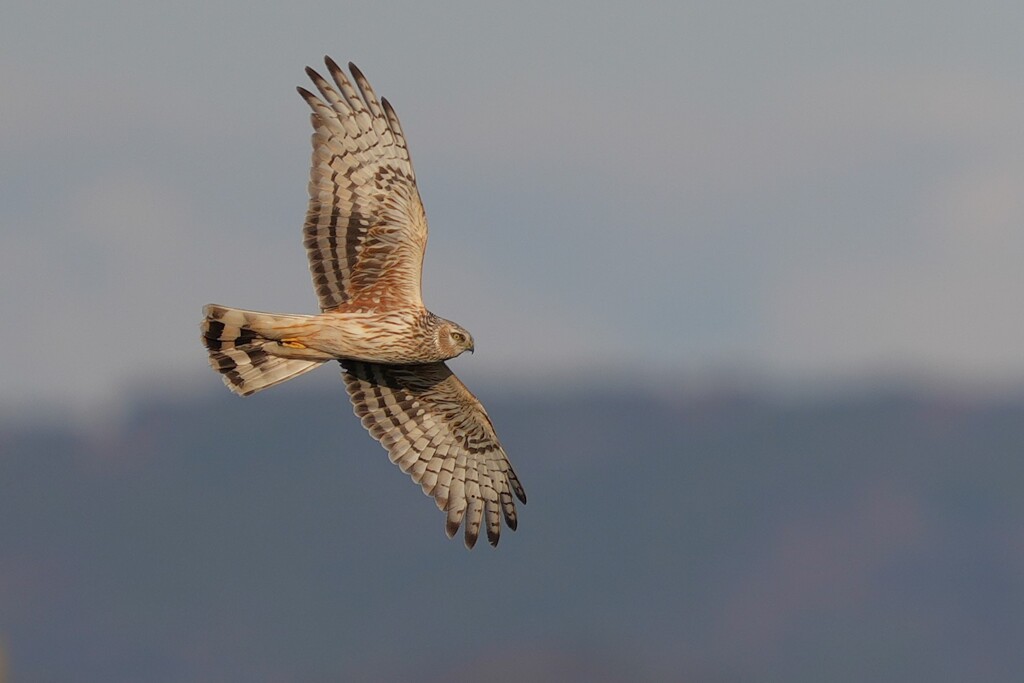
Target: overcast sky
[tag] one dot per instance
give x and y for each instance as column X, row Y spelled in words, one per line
column 802, row 191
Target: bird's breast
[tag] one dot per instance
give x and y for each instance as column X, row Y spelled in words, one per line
column 378, row 337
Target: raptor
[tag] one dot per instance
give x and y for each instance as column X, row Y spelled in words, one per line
column 365, row 235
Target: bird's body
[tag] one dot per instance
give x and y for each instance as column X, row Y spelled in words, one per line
column 350, row 335
column 365, row 235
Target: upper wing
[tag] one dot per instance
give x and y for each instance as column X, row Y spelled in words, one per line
column 438, row 432
column 365, row 230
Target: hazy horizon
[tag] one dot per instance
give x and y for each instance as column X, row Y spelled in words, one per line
column 710, row 537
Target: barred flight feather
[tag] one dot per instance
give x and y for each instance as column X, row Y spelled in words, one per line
column 365, row 230
column 409, row 409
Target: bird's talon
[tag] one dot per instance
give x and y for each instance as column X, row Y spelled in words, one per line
column 292, row 344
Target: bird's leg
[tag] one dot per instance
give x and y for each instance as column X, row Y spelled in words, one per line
column 292, row 344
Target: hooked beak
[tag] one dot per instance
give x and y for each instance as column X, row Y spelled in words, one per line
column 471, row 347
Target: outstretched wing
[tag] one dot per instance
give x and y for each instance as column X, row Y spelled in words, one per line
column 438, row 432
column 365, row 230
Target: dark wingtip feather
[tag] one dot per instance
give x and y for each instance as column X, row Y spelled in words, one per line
column 451, row 528
column 518, row 488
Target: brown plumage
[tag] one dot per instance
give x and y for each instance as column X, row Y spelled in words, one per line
column 365, row 236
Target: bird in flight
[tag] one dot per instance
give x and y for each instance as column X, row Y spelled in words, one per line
column 365, row 236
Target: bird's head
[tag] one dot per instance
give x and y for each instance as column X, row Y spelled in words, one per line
column 452, row 340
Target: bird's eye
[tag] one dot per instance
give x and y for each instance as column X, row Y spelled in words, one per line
column 458, row 337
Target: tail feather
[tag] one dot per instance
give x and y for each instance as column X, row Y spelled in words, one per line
column 242, row 355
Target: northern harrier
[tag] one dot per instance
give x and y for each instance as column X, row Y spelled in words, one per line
column 365, row 234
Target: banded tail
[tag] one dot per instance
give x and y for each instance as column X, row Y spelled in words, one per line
column 248, row 360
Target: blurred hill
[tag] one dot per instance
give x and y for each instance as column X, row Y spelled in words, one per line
column 721, row 536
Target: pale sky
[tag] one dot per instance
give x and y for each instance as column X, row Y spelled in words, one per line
column 800, row 191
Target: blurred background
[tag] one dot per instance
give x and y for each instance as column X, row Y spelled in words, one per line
column 745, row 282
